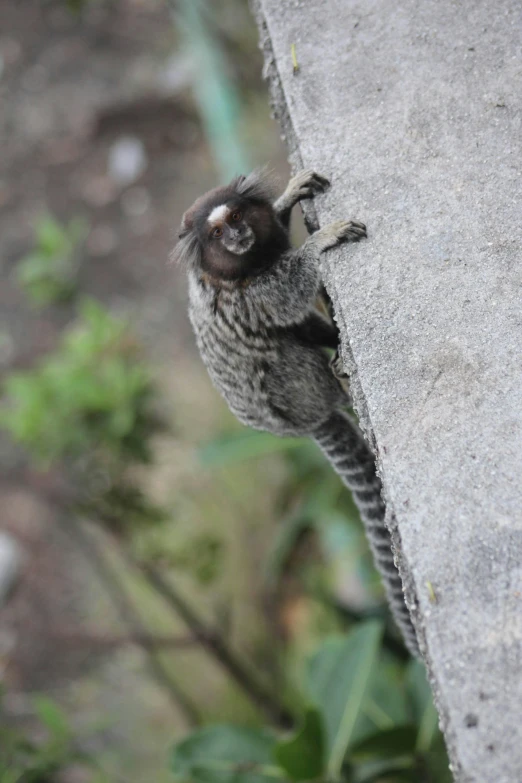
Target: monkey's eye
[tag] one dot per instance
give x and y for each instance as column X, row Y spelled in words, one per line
column 236, row 215
column 218, row 232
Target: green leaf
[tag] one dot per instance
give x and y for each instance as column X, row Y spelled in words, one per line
column 91, row 398
column 48, row 273
column 399, row 741
column 378, row 771
column 225, row 754
column 385, row 706
column 302, row 756
column 214, row 92
column 423, row 709
column 437, row 762
column 418, row 689
column 51, row 237
column 244, row 444
column 287, row 537
column 338, row 681
column 430, row 745
column 53, row 718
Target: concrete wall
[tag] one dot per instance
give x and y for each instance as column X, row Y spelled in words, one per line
column 413, row 109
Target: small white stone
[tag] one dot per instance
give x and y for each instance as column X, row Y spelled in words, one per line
column 10, row 563
column 127, row 160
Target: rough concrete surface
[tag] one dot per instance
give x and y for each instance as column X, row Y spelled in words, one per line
column 414, row 111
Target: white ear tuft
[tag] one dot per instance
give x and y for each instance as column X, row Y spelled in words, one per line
column 188, row 250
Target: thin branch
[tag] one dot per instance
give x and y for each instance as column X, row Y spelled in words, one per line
column 131, row 616
column 208, row 638
column 85, row 636
column 216, row 646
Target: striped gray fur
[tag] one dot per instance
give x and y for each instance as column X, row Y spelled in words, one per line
column 260, row 337
column 343, row 445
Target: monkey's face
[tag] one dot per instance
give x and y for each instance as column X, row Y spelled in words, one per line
column 231, row 232
column 228, row 227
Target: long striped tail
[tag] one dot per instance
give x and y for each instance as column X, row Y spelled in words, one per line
column 347, row 451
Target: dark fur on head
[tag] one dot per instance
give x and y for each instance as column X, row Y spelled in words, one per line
column 260, row 185
column 252, row 196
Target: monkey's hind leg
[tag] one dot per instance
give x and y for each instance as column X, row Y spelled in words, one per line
column 306, row 184
column 337, row 366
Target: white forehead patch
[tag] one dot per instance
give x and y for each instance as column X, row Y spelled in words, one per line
column 218, row 213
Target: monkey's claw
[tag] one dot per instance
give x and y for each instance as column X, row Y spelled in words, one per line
column 350, row 230
column 307, row 184
column 340, row 231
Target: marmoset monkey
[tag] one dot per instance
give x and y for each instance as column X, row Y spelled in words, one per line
column 253, row 310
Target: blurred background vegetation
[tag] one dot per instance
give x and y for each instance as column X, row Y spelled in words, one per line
column 181, row 599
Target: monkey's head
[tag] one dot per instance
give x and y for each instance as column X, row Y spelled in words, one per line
column 231, row 233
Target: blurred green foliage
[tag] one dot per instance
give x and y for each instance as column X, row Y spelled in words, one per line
column 91, row 397
column 48, row 273
column 213, row 89
column 312, row 500
column 89, row 406
column 201, row 556
column 365, row 712
column 351, row 729
column 23, row 760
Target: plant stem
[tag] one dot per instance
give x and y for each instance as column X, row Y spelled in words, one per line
column 131, row 616
column 208, row 638
column 107, row 640
column 214, row 643
column 214, row 92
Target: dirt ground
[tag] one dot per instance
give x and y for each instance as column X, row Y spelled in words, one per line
column 73, row 88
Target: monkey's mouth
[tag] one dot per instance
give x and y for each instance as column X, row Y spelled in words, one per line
column 244, row 245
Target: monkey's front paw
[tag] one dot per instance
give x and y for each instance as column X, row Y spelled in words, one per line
column 307, row 184
column 340, row 231
column 348, row 230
